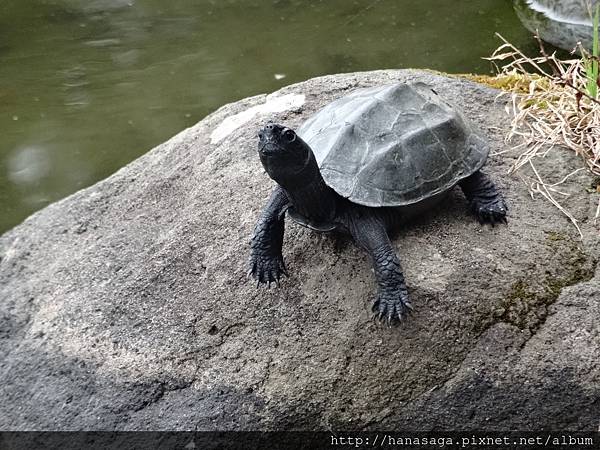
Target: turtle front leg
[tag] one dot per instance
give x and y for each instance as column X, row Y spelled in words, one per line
column 266, row 260
column 486, row 201
column 369, row 231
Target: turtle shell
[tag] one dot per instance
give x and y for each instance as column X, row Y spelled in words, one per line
column 393, row 145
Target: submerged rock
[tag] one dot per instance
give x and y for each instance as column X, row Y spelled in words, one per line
column 126, row 305
column 563, row 23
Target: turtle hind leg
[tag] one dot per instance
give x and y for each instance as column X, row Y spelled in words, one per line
column 484, row 198
column 369, row 232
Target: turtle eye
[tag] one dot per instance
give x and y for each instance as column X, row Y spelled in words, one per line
column 289, row 135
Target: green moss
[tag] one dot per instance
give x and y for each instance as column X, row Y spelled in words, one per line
column 555, row 286
column 519, row 305
column 554, row 236
column 542, row 104
column 520, row 292
column 527, row 301
column 514, row 82
column 519, row 83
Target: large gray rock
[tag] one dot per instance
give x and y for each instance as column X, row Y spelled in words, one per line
column 126, row 306
column 563, row 23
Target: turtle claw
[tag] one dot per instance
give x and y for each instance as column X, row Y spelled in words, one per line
column 501, row 217
column 267, row 269
column 391, row 305
column 492, row 212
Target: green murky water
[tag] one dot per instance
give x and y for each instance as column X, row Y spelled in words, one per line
column 87, row 86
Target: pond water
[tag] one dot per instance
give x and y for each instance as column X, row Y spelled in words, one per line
column 87, row 86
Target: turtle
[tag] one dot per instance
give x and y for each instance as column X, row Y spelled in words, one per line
column 364, row 164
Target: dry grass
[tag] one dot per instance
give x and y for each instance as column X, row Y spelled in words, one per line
column 550, row 109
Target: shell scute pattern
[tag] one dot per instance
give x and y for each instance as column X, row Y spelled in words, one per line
column 393, row 145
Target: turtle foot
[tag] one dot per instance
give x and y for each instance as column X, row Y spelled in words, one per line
column 490, row 211
column 485, row 199
column 267, row 269
column 391, row 305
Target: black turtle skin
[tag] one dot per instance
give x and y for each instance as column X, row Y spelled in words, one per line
column 302, row 193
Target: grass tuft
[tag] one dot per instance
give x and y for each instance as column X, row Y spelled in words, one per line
column 553, row 104
column 591, row 64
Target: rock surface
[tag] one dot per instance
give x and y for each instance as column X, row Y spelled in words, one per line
column 126, row 305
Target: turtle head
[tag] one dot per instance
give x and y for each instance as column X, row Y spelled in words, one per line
column 284, row 155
